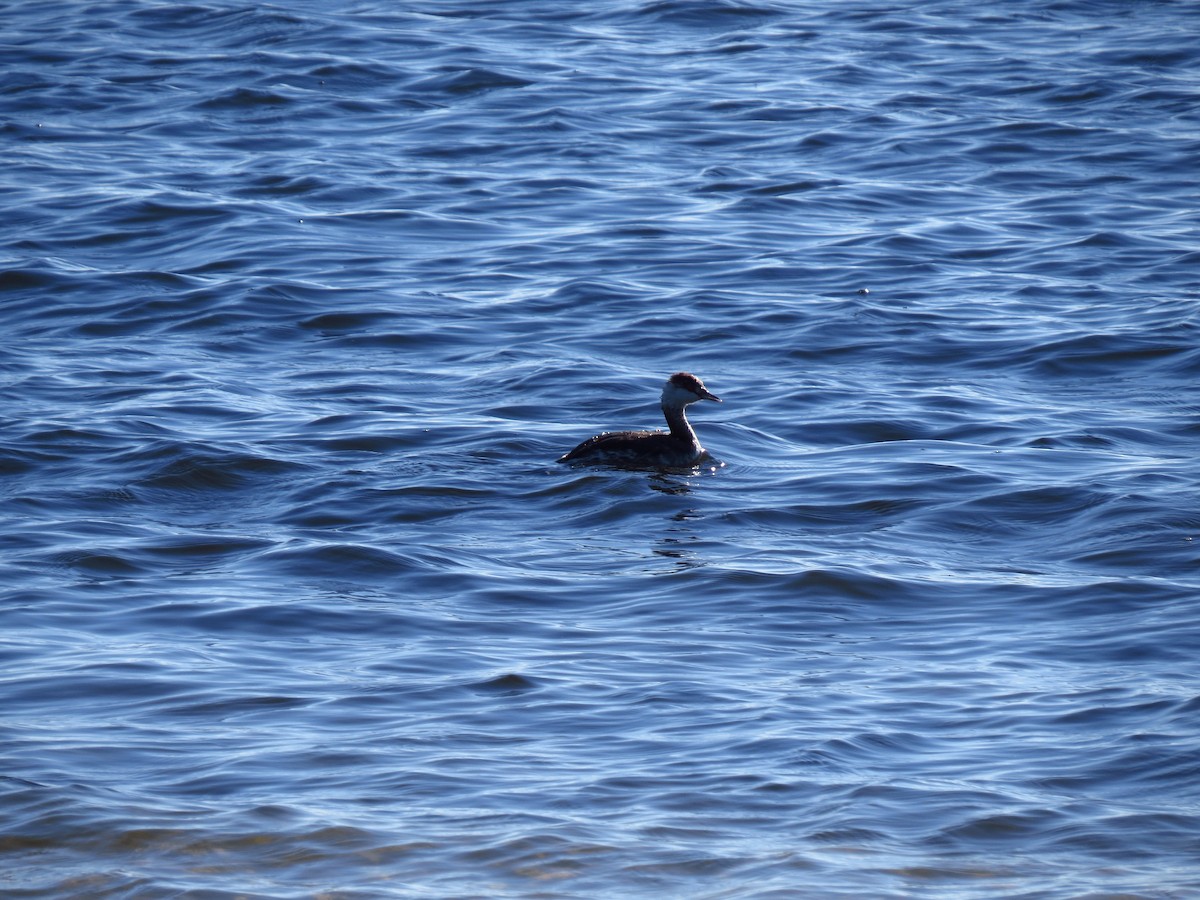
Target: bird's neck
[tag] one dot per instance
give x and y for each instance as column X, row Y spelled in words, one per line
column 678, row 423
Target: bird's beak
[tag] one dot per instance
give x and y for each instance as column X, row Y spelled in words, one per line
column 709, row 395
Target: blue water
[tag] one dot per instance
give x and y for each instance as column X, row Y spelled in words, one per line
column 301, row 301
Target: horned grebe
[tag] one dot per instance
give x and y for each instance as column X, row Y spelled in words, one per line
column 677, row 448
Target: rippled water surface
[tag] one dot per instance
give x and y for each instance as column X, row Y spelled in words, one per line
column 301, row 301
